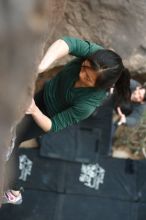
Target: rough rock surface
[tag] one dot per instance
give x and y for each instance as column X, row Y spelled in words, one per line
column 119, row 24
column 24, row 28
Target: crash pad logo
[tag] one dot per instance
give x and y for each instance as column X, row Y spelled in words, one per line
column 25, row 165
column 92, row 175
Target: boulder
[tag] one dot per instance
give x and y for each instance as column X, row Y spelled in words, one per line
column 24, row 29
column 119, row 24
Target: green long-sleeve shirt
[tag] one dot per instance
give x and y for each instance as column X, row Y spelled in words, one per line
column 65, row 104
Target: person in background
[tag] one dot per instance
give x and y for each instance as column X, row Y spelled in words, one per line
column 131, row 113
column 74, row 93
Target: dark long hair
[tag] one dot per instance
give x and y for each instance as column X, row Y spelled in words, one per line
column 144, row 87
column 112, row 73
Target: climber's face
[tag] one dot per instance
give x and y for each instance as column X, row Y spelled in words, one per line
column 88, row 76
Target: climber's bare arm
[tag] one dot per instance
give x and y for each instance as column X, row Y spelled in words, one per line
column 42, row 120
column 57, row 50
